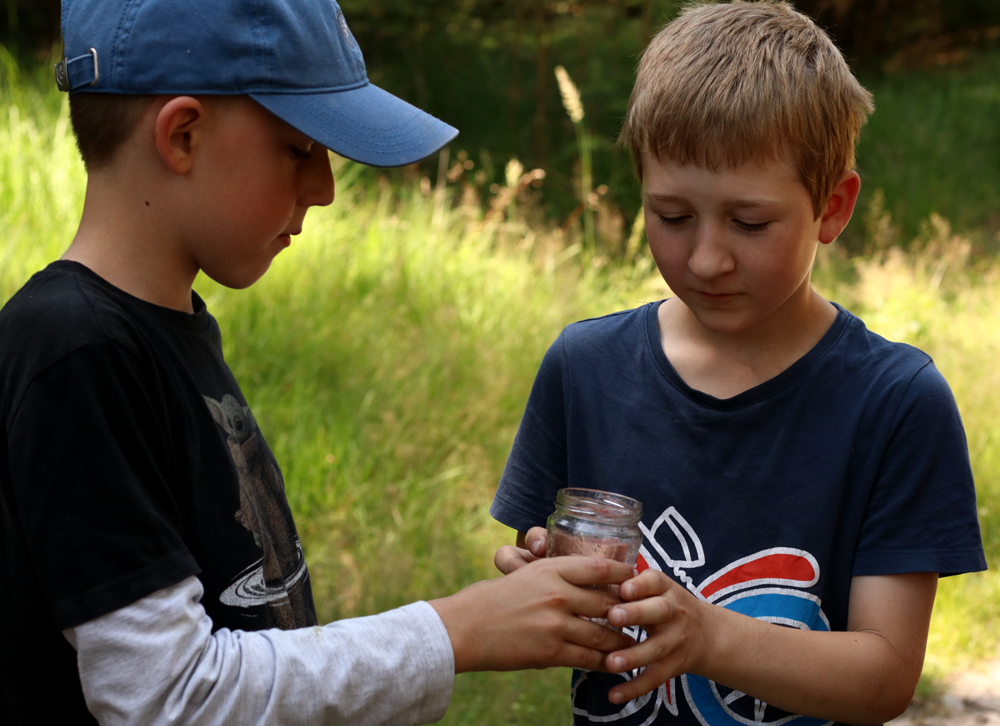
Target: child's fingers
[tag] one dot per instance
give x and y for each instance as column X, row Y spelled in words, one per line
column 597, row 637
column 650, row 611
column 645, row 682
column 579, row 656
column 653, row 650
column 592, row 603
column 648, row 584
column 590, row 570
column 509, row 558
column 536, row 541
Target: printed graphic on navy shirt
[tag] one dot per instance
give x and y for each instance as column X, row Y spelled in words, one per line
column 769, row 585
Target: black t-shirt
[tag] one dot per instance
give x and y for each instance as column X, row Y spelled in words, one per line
column 129, row 460
column 853, row 461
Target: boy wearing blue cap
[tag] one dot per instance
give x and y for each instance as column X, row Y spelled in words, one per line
column 794, row 468
column 151, row 565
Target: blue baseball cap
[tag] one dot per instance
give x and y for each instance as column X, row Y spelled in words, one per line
column 296, row 58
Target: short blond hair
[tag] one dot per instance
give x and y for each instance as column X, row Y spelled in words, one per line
column 728, row 84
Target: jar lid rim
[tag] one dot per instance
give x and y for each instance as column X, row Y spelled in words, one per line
column 585, row 502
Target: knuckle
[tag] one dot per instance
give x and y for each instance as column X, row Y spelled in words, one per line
column 548, row 654
column 664, row 608
column 586, row 659
column 556, row 598
column 545, row 565
column 602, row 568
column 657, row 581
column 551, row 622
column 600, row 638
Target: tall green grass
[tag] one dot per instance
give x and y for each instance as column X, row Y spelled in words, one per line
column 388, row 353
column 933, row 146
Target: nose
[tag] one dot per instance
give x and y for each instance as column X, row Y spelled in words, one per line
column 710, row 256
column 317, row 188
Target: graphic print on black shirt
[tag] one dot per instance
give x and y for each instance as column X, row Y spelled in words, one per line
column 276, row 579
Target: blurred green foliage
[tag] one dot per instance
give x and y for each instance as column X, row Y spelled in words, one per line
column 892, row 31
column 933, row 145
column 486, row 66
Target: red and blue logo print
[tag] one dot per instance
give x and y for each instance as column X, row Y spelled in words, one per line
column 769, row 585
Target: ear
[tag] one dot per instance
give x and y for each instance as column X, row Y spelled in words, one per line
column 179, row 124
column 839, row 207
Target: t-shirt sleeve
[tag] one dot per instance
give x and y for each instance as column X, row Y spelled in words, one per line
column 393, row 668
column 89, row 469
column 922, row 513
column 537, row 466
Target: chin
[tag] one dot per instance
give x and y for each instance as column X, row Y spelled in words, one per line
column 724, row 322
column 236, row 280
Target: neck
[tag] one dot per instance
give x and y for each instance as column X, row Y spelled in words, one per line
column 724, row 364
column 125, row 236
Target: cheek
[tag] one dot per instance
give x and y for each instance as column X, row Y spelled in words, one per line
column 779, row 265
column 669, row 251
column 255, row 189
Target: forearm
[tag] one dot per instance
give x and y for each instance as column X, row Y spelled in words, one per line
column 864, row 675
column 854, row 677
column 157, row 662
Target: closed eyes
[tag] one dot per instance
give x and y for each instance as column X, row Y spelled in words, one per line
column 748, row 227
column 751, row 228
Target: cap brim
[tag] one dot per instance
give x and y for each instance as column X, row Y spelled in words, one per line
column 365, row 124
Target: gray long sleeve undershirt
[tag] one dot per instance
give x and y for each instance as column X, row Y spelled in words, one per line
column 156, row 662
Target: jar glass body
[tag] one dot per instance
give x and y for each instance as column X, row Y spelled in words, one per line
column 593, row 523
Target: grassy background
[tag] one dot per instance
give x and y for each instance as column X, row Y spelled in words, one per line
column 388, row 353
column 933, row 145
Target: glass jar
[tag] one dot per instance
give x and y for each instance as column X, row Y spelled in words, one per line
column 593, row 523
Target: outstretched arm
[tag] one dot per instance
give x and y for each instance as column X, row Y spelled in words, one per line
column 877, row 661
column 157, row 660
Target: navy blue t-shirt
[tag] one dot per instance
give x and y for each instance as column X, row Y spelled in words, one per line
column 853, row 461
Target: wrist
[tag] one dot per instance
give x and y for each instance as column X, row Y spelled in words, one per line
column 722, row 638
column 456, row 616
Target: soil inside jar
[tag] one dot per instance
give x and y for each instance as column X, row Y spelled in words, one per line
column 607, row 548
column 610, row 548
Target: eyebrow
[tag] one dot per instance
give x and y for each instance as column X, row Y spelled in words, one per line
column 727, row 203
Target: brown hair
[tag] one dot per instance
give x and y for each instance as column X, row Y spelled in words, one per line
column 728, row 84
column 102, row 122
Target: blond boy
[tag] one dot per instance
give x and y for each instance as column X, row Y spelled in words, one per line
column 804, row 481
column 152, row 572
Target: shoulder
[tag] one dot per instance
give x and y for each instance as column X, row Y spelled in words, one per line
column 607, row 334
column 897, row 384
column 595, row 344
column 872, row 360
column 60, row 311
column 64, row 306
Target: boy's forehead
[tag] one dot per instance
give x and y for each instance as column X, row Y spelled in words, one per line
column 760, row 182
